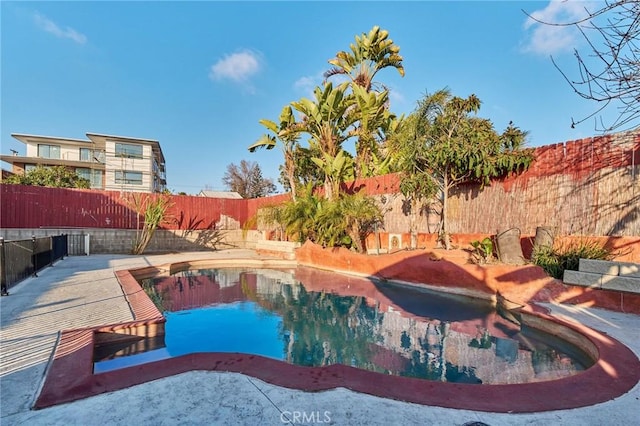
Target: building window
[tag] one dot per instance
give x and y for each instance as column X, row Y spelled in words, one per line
column 93, row 176
column 85, row 154
column 48, row 151
column 128, row 150
column 128, row 178
column 84, row 173
column 29, row 167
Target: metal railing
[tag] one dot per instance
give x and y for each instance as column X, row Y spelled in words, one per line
column 21, row 259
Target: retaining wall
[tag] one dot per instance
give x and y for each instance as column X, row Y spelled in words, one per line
column 121, row 240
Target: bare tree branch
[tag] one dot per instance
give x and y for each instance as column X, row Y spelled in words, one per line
column 610, row 74
column 246, row 179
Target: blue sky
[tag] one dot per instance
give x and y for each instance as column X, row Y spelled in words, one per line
column 198, row 76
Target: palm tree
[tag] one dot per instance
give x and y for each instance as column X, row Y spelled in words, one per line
column 285, row 132
column 361, row 215
column 326, row 120
column 416, row 185
column 299, row 216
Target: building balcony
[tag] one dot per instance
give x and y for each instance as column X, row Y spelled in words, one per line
column 39, row 161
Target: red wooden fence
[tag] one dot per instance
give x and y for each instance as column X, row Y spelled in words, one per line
column 35, row 207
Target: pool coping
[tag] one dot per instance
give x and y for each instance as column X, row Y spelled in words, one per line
column 70, row 375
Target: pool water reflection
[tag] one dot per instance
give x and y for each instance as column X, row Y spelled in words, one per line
column 314, row 318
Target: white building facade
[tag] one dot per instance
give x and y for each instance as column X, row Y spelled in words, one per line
column 113, row 163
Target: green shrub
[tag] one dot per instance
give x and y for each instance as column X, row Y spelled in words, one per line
column 55, row 177
column 343, row 222
column 482, row 250
column 554, row 260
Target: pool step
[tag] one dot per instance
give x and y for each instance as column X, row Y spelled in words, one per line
column 606, row 275
column 280, row 249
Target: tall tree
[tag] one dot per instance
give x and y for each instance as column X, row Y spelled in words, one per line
column 285, row 132
column 416, row 185
column 370, row 53
column 246, row 179
column 450, row 145
column 609, row 72
column 326, row 120
column 56, row 176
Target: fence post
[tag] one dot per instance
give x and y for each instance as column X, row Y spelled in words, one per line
column 34, row 260
column 86, row 244
column 65, row 250
column 50, row 251
column 3, row 271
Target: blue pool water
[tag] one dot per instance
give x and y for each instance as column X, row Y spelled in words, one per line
column 236, row 327
column 313, row 318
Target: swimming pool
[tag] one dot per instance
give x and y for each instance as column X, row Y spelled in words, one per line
column 315, row 318
column 71, row 374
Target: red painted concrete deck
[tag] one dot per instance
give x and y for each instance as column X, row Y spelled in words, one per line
column 616, row 371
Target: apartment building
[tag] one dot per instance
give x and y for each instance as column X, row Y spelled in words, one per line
column 113, row 163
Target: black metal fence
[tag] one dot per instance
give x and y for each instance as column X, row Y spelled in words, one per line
column 21, row 259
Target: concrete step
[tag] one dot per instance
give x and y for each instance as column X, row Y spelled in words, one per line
column 630, row 284
column 585, row 279
column 623, row 269
column 282, row 249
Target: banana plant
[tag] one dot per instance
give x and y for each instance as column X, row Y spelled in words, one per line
column 326, row 120
column 371, row 53
column 339, row 167
column 372, row 123
column 286, row 132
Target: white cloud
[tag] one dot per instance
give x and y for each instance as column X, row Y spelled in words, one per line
column 51, row 27
column 307, row 83
column 551, row 39
column 238, row 67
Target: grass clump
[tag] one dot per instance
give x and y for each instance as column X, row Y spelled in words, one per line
column 554, row 260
